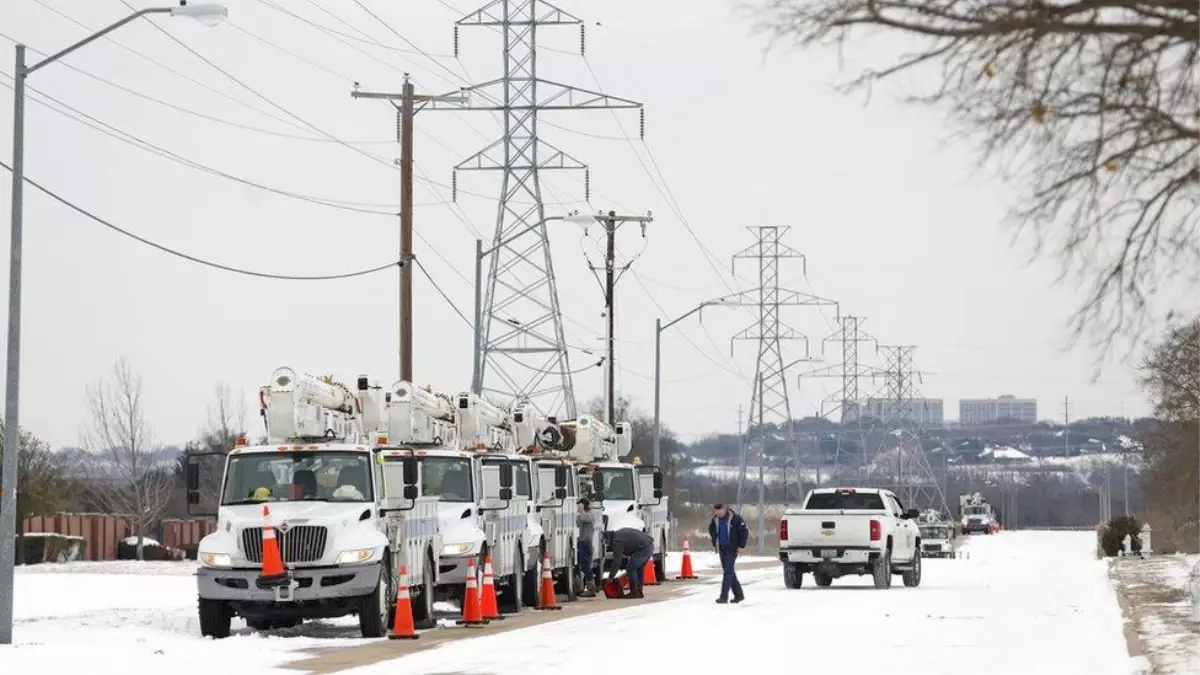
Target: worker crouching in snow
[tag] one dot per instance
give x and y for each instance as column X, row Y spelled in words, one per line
column 637, row 546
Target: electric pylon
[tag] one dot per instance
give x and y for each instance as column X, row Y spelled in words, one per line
column 769, row 402
column 524, row 350
column 912, row 475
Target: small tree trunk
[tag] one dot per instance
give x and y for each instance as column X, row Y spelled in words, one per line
column 20, row 555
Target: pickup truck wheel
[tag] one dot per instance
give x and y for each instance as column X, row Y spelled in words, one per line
column 882, row 573
column 912, row 577
column 422, row 606
column 792, row 576
column 375, row 607
column 214, row 619
column 822, row 580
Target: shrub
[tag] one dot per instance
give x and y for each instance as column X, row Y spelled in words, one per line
column 1113, row 537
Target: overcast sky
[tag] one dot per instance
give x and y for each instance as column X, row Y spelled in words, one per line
column 896, row 221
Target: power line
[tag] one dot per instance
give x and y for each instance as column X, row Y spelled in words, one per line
column 192, row 258
column 331, row 31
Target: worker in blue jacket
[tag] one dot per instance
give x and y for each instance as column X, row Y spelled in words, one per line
column 729, row 535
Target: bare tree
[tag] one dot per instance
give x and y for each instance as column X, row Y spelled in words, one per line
column 226, row 419
column 1091, row 105
column 124, row 468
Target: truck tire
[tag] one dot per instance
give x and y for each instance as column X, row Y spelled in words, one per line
column 214, row 619
column 912, row 576
column 532, row 587
column 792, row 576
column 375, row 608
column 422, row 606
column 511, row 598
column 568, row 585
column 660, row 560
column 882, row 573
column 823, row 580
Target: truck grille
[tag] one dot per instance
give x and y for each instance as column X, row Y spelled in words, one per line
column 933, row 547
column 301, row 544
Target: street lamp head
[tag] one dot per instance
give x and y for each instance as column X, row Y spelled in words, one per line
column 209, row 13
column 580, row 218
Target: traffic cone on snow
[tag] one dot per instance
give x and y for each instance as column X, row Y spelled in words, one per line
column 685, row 569
column 272, row 573
column 489, row 608
column 547, row 600
column 471, row 611
column 649, row 576
column 402, row 625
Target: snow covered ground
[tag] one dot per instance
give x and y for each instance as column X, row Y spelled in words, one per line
column 1159, row 609
column 129, row 612
column 1025, row 602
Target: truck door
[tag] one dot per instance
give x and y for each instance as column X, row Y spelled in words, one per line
column 907, row 541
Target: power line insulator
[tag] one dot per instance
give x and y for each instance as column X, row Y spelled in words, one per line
column 399, row 125
column 582, row 40
column 454, row 186
column 642, row 123
column 587, row 185
column 456, row 42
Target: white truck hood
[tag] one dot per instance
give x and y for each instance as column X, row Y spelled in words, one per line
column 619, row 515
column 454, row 527
column 295, row 513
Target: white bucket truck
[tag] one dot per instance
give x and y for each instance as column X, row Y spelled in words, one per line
column 976, row 514
column 461, row 455
column 342, row 518
column 626, row 494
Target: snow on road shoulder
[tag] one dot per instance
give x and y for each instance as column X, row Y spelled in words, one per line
column 1154, row 590
column 114, row 617
column 1029, row 603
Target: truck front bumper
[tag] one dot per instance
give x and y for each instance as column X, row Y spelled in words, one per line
column 452, row 571
column 844, row 555
column 312, row 583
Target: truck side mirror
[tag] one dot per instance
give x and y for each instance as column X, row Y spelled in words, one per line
column 193, row 474
column 193, row 498
column 598, row 485
column 561, row 476
column 409, row 475
column 560, row 493
column 912, row 514
column 506, row 479
column 658, row 485
column 410, row 492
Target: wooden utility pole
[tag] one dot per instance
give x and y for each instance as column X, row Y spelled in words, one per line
column 405, row 103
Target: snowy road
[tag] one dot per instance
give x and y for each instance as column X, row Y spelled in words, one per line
column 1030, row 603
column 1025, row 602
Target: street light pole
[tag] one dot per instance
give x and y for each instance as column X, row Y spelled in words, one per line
column 208, row 14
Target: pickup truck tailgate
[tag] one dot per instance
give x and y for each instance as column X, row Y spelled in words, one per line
column 831, row 529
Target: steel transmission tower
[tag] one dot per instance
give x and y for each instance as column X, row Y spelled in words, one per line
column 913, row 476
column 524, row 350
column 769, row 403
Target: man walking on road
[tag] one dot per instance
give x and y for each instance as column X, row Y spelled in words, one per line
column 729, row 534
column 638, row 546
column 586, row 521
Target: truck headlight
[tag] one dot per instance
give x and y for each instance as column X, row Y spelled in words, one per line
column 357, row 555
column 457, row 549
column 216, row 559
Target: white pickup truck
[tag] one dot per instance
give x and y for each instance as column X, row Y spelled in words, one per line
column 845, row 530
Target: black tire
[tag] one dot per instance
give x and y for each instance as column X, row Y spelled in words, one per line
column 259, row 624
column 214, row 619
column 376, row 607
column 510, row 599
column 912, row 577
column 882, row 574
column 532, row 589
column 568, row 585
column 792, row 576
column 422, row 604
column 660, row 560
column 823, row 580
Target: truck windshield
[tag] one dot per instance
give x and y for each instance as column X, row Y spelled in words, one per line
column 845, row 501
column 935, row 533
column 617, row 483
column 332, row 476
column 976, row 510
column 448, row 478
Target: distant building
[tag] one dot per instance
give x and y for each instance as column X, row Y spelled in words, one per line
column 985, row 410
column 923, row 411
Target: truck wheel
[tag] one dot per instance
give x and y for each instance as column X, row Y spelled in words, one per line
column 823, row 580
column 882, row 573
column 660, row 560
column 532, row 588
column 422, row 607
column 568, row 585
column 374, row 610
column 511, row 599
column 912, row 577
column 214, row 619
column 792, row 576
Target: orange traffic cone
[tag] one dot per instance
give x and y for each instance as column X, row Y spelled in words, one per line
column 548, row 601
column 649, row 576
column 489, row 608
column 471, row 614
column 685, row 568
column 402, row 625
column 272, row 573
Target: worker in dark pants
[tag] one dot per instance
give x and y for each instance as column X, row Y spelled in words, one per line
column 585, row 520
column 729, row 534
column 637, row 546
